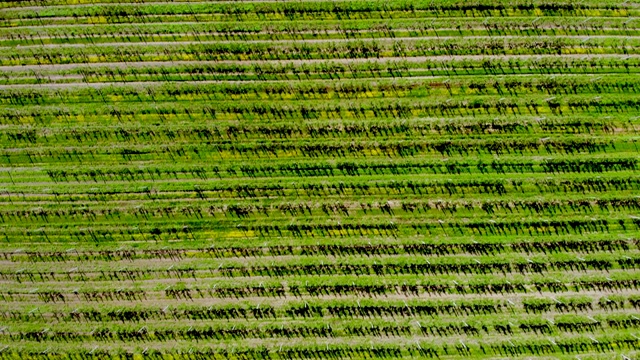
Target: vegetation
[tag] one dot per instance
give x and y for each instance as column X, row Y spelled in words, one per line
column 318, row 179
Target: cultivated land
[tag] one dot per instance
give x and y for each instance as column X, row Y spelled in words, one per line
column 319, row 179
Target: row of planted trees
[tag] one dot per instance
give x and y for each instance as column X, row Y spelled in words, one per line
column 567, row 346
column 315, row 150
column 310, row 90
column 522, row 267
column 545, row 227
column 575, row 305
column 316, row 130
column 451, row 247
column 339, row 70
column 304, row 31
column 331, row 209
column 377, row 109
column 348, row 168
column 293, row 50
column 325, row 331
column 408, row 187
column 148, row 13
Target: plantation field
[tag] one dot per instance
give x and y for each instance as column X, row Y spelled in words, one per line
column 314, row 179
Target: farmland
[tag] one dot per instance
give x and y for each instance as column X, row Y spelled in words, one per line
column 348, row 179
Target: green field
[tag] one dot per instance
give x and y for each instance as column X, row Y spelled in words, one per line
column 314, row 179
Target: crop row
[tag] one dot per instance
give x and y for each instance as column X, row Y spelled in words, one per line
column 310, row 10
column 259, row 189
column 423, row 128
column 381, row 290
column 327, row 331
column 524, row 266
column 527, row 347
column 350, row 168
column 290, row 70
column 587, row 246
column 313, row 149
column 535, row 347
column 324, row 50
column 325, row 91
column 346, row 209
column 343, row 309
column 312, row 111
column 313, row 30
